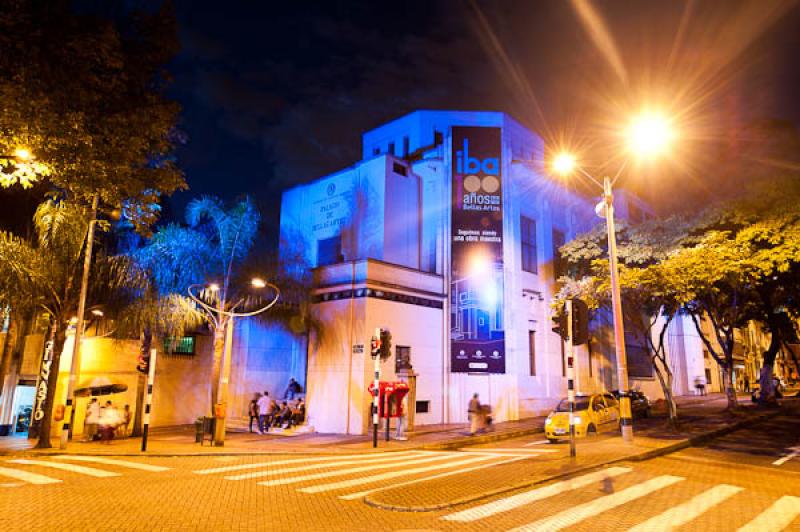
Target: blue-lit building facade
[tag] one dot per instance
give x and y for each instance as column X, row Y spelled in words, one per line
column 446, row 233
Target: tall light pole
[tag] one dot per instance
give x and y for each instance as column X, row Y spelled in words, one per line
column 647, row 135
column 221, row 316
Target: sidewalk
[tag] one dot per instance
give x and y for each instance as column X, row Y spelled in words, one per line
column 177, row 441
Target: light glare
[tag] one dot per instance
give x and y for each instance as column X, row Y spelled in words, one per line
column 258, row 283
column 649, row 134
column 564, row 163
column 23, row 154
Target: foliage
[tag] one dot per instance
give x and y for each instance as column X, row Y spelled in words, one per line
column 85, row 94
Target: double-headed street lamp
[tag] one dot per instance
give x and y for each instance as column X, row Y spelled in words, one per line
column 647, row 135
column 221, row 314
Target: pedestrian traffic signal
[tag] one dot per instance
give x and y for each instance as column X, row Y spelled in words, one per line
column 143, row 363
column 375, row 347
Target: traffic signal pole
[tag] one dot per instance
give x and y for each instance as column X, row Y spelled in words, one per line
column 570, row 378
column 376, row 355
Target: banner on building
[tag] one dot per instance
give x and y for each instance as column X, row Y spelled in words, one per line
column 477, row 336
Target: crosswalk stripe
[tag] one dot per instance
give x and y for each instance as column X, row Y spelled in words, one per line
column 27, row 476
column 317, row 476
column 683, row 513
column 390, row 475
column 269, row 472
column 538, row 442
column 256, row 465
column 583, row 511
column 776, row 517
column 111, row 461
column 362, row 494
column 83, row 470
column 506, row 450
column 515, row 501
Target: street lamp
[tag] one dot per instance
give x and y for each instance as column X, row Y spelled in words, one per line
column 647, row 135
column 222, row 315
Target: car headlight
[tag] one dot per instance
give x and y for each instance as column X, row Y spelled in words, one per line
column 548, row 421
column 576, row 420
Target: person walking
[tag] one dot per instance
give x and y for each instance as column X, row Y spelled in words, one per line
column 263, row 405
column 399, row 433
column 474, row 411
column 252, row 410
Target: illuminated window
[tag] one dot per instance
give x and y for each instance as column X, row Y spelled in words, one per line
column 528, row 244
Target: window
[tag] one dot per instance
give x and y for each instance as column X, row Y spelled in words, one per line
column 391, row 148
column 376, row 150
column 423, row 407
column 640, row 364
column 405, row 147
column 708, row 377
column 563, row 359
column 532, row 351
column 527, row 229
column 180, row 346
column 400, row 169
column 402, row 358
column 438, row 138
column 329, row 250
column 558, row 265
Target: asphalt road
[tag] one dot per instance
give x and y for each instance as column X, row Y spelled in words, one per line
column 748, row 480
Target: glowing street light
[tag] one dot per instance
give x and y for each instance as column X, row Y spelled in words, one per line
column 258, row 283
column 647, row 135
column 214, row 287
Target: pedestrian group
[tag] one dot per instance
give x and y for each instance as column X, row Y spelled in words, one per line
column 269, row 413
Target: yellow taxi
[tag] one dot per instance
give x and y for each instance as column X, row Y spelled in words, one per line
column 592, row 414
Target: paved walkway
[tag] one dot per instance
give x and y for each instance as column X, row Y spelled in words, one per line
column 697, row 414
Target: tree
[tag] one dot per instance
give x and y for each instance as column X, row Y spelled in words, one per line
column 649, row 302
column 45, row 274
column 85, row 94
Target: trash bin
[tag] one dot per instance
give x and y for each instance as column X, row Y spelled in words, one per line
column 198, row 430
column 204, row 426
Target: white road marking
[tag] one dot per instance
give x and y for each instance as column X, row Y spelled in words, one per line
column 539, row 442
column 683, row 513
column 32, row 478
column 515, row 501
column 111, row 461
column 83, row 470
column 327, row 474
column 578, row 513
column 226, row 458
column 10, row 485
column 795, row 452
column 506, row 450
column 775, row 518
column 362, row 494
column 355, row 461
column 391, row 474
column 296, row 460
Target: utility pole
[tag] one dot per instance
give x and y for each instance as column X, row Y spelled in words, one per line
column 151, row 376
column 616, row 303
column 376, row 356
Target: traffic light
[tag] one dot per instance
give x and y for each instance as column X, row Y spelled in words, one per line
column 386, row 344
column 580, row 322
column 143, row 362
column 375, row 347
column 560, row 324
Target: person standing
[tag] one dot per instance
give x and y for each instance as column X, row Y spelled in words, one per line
column 292, row 389
column 474, row 411
column 399, row 433
column 252, row 410
column 263, row 405
column 92, row 419
column 747, row 384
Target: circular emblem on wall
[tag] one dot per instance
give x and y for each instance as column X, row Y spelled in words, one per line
column 331, row 189
column 489, row 184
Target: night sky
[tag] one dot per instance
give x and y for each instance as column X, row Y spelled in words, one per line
column 277, row 93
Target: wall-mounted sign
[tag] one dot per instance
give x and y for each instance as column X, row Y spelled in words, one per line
column 358, row 349
column 477, row 334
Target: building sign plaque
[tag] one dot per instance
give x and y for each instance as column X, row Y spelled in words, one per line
column 477, row 334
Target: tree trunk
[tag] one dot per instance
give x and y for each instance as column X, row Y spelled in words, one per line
column 219, row 347
column 141, row 383
column 666, row 388
column 7, row 349
column 767, row 387
column 59, row 337
column 727, row 382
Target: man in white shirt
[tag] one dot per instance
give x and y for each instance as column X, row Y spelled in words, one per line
column 263, row 413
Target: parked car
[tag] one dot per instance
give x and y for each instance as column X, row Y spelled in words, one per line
column 592, row 414
column 640, row 404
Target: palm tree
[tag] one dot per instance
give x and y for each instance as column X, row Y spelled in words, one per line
column 44, row 274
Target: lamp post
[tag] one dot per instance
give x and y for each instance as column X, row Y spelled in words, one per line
column 646, row 135
column 222, row 316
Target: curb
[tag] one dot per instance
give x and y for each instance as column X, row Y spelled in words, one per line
column 641, row 457
column 452, row 444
